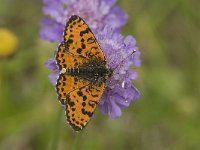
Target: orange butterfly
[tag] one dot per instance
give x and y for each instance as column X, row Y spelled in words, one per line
column 83, row 75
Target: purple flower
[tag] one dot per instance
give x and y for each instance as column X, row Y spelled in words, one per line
column 97, row 14
column 119, row 91
column 105, row 19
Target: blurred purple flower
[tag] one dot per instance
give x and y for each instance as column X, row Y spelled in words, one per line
column 97, row 14
column 51, row 64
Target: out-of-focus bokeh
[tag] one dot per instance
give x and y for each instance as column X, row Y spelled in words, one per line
column 167, row 116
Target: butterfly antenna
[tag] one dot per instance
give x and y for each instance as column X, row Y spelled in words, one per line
column 124, row 59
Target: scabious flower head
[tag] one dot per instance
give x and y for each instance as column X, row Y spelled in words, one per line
column 119, row 91
column 97, row 13
column 105, row 19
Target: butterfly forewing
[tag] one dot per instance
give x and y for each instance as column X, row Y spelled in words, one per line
column 67, row 60
column 80, row 40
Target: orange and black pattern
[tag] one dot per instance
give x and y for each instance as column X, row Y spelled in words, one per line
column 80, row 40
column 81, row 82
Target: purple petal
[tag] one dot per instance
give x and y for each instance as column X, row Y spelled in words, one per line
column 133, row 75
column 129, row 42
column 53, row 77
column 102, row 103
column 54, row 9
column 121, row 101
column 131, row 93
column 111, row 108
column 114, row 111
column 136, row 57
column 51, row 30
column 51, row 64
column 117, row 17
column 106, row 5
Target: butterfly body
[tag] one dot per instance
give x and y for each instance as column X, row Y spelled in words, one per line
column 94, row 71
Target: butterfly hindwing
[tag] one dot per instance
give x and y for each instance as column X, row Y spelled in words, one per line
column 66, row 84
column 81, row 104
column 80, row 40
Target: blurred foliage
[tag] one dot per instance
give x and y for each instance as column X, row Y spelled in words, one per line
column 166, row 116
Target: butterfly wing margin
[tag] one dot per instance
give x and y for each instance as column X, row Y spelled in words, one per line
column 80, row 40
column 81, row 104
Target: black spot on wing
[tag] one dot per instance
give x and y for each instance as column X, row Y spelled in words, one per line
column 79, row 50
column 84, row 97
column 83, row 46
column 80, row 93
column 69, row 41
column 86, row 112
column 84, row 31
column 90, row 40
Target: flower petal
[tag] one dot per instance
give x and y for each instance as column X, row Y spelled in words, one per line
column 53, row 77
column 114, row 111
column 51, row 64
column 136, row 57
column 117, row 17
column 51, row 30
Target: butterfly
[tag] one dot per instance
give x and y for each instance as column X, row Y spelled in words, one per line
column 83, row 72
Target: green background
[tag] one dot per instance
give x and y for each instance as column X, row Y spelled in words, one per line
column 167, row 116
